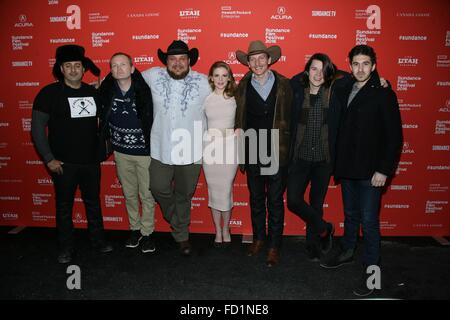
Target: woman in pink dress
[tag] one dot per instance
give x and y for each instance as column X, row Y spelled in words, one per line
column 219, row 153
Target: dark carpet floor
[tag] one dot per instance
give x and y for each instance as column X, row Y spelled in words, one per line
column 413, row 268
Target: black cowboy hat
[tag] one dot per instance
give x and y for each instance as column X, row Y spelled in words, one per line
column 178, row 47
column 72, row 52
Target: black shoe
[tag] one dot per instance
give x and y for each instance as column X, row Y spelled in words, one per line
column 362, row 289
column 134, row 239
column 338, row 260
column 313, row 253
column 65, row 256
column 185, row 248
column 148, row 245
column 103, row 247
column 326, row 242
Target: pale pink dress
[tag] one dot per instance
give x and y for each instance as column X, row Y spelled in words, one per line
column 220, row 152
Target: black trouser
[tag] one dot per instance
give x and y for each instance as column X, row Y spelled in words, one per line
column 267, row 189
column 87, row 176
column 301, row 173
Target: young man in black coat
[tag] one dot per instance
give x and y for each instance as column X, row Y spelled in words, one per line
column 368, row 146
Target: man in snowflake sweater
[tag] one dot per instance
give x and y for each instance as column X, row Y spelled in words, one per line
column 127, row 118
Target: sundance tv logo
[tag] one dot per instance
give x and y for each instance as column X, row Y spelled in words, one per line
column 281, row 14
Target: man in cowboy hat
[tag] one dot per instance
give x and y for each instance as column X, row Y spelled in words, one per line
column 264, row 100
column 69, row 108
column 175, row 141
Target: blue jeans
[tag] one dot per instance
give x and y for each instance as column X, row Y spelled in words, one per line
column 362, row 206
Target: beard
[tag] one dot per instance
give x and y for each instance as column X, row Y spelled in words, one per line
column 177, row 76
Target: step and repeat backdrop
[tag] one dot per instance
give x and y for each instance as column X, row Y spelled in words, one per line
column 411, row 38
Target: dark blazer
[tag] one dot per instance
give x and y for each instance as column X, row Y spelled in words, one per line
column 333, row 115
column 144, row 103
column 370, row 132
column 282, row 111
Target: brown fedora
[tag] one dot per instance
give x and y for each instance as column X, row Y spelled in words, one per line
column 255, row 47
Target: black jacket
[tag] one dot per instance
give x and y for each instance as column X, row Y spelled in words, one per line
column 144, row 103
column 333, row 115
column 370, row 132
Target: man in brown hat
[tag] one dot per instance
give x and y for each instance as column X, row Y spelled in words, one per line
column 69, row 108
column 176, row 137
column 264, row 100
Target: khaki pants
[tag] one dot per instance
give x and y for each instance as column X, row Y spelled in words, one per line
column 173, row 188
column 133, row 173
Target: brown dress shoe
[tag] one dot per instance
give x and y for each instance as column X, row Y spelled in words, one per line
column 273, row 257
column 185, row 248
column 255, row 248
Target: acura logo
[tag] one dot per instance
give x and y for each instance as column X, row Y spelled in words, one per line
column 281, row 10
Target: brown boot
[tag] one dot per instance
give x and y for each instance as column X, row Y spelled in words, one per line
column 255, row 248
column 273, row 257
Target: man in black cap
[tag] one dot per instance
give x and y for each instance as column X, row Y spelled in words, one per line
column 68, row 108
column 176, row 137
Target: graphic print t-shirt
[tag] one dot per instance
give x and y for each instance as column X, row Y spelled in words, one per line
column 72, row 127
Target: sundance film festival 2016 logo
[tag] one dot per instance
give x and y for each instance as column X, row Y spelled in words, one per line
column 227, row 147
column 101, row 38
column 187, row 35
column 272, row 34
column 281, row 14
column 441, row 127
column 20, row 42
column 404, row 83
column 4, row 161
column 26, row 124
